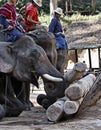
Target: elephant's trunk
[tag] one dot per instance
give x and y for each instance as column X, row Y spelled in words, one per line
column 51, row 78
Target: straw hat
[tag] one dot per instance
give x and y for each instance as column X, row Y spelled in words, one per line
column 58, row 10
column 38, row 2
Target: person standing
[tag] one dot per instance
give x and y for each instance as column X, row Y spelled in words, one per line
column 31, row 14
column 8, row 20
column 56, row 28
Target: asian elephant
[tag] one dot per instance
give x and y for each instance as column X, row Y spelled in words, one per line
column 21, row 61
column 47, row 40
column 57, row 57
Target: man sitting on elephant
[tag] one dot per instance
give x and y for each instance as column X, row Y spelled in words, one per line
column 56, row 28
column 31, row 16
column 61, row 44
column 8, row 20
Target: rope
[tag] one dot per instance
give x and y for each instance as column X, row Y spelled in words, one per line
column 6, row 90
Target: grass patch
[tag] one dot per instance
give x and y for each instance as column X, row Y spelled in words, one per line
column 65, row 20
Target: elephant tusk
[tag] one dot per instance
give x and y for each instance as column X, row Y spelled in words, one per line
column 51, row 78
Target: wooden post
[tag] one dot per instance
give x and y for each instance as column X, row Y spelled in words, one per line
column 89, row 54
column 76, row 55
column 99, row 57
column 78, row 89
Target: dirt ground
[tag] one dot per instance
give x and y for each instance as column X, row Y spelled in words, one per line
column 36, row 119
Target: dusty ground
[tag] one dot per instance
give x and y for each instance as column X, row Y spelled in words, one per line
column 36, row 119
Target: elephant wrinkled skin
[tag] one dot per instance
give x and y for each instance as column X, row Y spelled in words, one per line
column 21, row 61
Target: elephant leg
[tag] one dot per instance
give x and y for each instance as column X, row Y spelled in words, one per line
column 2, row 111
column 19, row 89
column 27, row 96
column 22, row 91
column 15, row 109
column 62, row 59
column 11, row 105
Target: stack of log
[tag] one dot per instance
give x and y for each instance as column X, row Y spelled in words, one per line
column 74, row 94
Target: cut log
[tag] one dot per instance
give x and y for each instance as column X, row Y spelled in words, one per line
column 71, row 107
column 56, row 110
column 76, row 73
column 78, row 89
column 93, row 95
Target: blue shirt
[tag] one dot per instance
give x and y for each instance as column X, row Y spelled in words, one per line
column 55, row 25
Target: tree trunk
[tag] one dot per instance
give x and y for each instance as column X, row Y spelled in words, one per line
column 66, row 4
column 93, row 5
column 53, row 6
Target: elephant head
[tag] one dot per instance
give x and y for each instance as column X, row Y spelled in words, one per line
column 24, row 58
column 47, row 41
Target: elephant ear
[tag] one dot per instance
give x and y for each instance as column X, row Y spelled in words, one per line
column 6, row 60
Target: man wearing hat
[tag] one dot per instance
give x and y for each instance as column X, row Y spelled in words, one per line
column 31, row 14
column 56, row 28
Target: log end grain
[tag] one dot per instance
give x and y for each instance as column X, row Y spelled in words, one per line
column 55, row 111
column 74, row 92
column 70, row 107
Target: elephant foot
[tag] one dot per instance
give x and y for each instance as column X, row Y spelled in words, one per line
column 28, row 106
column 44, row 101
column 2, row 112
column 14, row 109
column 12, row 112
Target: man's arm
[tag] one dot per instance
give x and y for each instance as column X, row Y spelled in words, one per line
column 21, row 10
column 29, row 18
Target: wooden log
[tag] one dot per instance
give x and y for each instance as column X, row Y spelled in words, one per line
column 56, row 110
column 78, row 89
column 71, row 107
column 92, row 96
column 76, row 73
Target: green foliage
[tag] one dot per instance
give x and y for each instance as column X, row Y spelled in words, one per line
column 2, row 2
column 45, row 9
column 78, row 5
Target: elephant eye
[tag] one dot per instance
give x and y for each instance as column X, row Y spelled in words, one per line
column 50, row 86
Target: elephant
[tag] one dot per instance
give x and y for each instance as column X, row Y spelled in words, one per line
column 58, row 58
column 47, row 40
column 21, row 61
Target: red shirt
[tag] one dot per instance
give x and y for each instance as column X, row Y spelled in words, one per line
column 9, row 12
column 31, row 10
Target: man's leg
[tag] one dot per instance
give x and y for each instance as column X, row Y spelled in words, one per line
column 13, row 35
